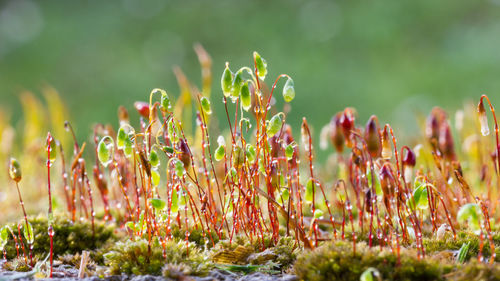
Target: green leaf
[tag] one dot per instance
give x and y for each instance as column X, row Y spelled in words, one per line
column 105, row 150
column 470, row 213
column 310, row 190
column 274, row 125
column 158, row 204
column 4, row 238
column 370, row 274
column 205, row 105
column 246, row 97
column 261, row 64
column 168, row 149
column 420, row 197
column 288, row 90
column 226, row 81
column 462, row 253
column 28, row 233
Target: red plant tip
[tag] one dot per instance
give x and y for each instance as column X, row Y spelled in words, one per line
column 275, row 145
column 446, row 142
column 336, row 135
column 432, row 128
column 386, row 144
column 372, row 136
column 409, row 158
column 185, row 154
column 387, row 185
column 483, row 119
column 123, row 115
column 287, row 134
column 347, row 124
column 142, row 108
column 386, row 178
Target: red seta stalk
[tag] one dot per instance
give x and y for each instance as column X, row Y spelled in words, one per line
column 50, row 160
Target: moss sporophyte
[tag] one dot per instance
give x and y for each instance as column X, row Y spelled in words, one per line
column 248, row 195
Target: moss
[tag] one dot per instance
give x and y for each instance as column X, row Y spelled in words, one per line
column 135, row 257
column 196, row 236
column 283, row 254
column 242, row 251
column 336, row 261
column 475, row 271
column 448, row 244
column 176, row 271
column 17, row 264
column 69, row 238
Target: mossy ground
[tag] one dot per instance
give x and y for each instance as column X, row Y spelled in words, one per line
column 69, row 238
column 116, row 253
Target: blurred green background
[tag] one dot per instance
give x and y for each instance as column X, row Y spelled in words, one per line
column 389, row 58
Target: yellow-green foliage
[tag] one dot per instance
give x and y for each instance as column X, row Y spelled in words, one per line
column 259, row 252
column 447, row 243
column 475, row 271
column 69, row 238
column 336, row 261
column 135, row 257
column 195, row 236
column 17, row 264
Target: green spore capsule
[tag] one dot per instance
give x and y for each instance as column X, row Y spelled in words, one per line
column 246, row 98
column 261, row 65
column 289, row 151
column 158, row 204
column 155, row 177
column 237, row 85
column 288, row 90
column 250, row 152
column 310, row 191
column 274, row 125
column 179, row 168
column 205, row 105
column 227, row 81
column 53, row 150
column 15, row 170
column 220, row 152
column 105, row 150
column 164, row 100
column 154, row 160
